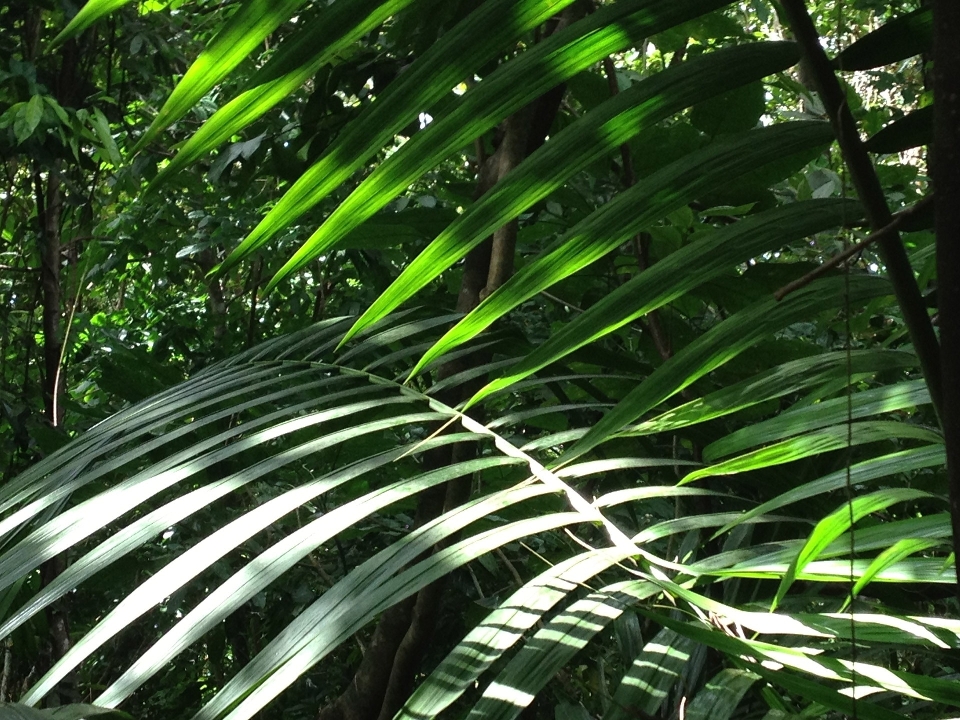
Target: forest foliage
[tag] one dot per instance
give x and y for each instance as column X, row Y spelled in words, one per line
column 401, row 358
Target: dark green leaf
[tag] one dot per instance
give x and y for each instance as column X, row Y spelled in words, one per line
column 900, row 38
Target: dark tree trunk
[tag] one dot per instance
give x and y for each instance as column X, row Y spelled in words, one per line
column 49, row 199
column 49, row 204
column 870, row 192
column 946, row 186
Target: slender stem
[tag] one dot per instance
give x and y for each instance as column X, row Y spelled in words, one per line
column 899, row 219
column 61, row 364
column 49, row 208
column 865, row 180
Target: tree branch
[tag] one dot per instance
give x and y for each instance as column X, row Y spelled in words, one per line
column 867, row 184
column 641, row 241
column 899, row 219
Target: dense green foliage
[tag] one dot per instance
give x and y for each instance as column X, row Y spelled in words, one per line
column 379, row 358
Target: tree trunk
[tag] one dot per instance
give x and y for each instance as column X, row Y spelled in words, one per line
column 49, row 204
column 946, row 185
column 871, row 195
column 393, row 657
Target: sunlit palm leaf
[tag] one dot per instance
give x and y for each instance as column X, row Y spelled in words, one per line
column 427, row 80
column 254, row 21
column 308, row 420
column 802, row 659
column 92, row 11
column 651, row 676
column 512, row 86
column 630, row 212
column 594, row 136
column 684, row 270
column 720, row 696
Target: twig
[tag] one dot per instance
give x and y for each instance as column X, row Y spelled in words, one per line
column 899, row 219
column 476, row 583
column 561, row 301
column 7, row 664
column 641, row 241
column 255, row 275
column 626, row 158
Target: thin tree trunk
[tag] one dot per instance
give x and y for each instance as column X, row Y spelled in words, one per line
column 386, row 672
column 49, row 212
column 49, row 201
column 393, row 656
column 216, row 301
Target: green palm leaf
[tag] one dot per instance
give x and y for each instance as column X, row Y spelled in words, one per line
column 609, row 29
column 501, row 629
column 594, row 136
column 720, row 696
column 719, row 345
column 92, row 11
column 905, row 461
column 245, row 30
column 877, row 401
column 667, row 280
column 325, row 434
column 652, row 674
column 835, row 524
column 673, row 187
column 552, row 647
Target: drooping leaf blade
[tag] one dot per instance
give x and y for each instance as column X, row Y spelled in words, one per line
column 719, row 698
column 900, row 550
column 92, row 11
column 504, row 627
column 838, row 522
column 422, row 84
column 683, row 270
column 276, row 560
column 813, row 689
column 716, row 347
column 791, row 377
column 652, row 673
column 242, row 33
column 813, row 443
column 512, row 86
column 189, row 564
column 876, row 401
column 900, row 38
column 668, row 189
column 905, row 461
column 592, row 137
column 306, row 640
column 910, row 131
column 537, row 661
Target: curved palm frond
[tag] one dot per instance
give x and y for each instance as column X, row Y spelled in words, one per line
column 286, row 411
